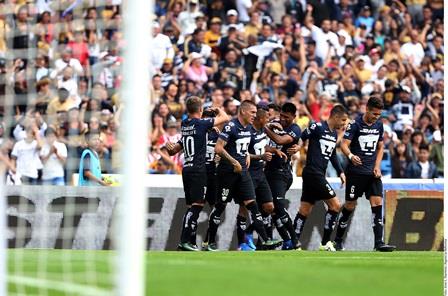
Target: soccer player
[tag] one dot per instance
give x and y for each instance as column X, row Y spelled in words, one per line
column 322, row 138
column 259, row 153
column 234, row 181
column 279, row 171
column 194, row 174
column 363, row 145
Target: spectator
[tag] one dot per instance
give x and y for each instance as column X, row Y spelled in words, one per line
column 53, row 156
column 422, row 168
column 25, row 156
column 400, row 160
column 89, row 165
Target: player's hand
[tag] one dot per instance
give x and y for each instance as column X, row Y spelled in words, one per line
column 275, row 125
column 267, row 156
column 237, row 168
column 281, row 154
column 356, row 160
column 293, row 149
column 342, row 177
column 248, row 160
column 377, row 172
column 170, row 146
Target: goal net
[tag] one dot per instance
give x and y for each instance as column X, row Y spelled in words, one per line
column 73, row 139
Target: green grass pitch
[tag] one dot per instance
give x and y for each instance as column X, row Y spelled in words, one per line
column 232, row 273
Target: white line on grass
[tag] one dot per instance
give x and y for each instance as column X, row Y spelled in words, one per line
column 57, row 285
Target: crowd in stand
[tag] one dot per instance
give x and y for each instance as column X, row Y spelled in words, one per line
column 60, row 74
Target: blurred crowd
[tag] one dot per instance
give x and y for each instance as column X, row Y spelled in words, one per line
column 60, row 74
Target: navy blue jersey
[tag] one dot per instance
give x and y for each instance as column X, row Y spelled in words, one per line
column 364, row 140
column 212, row 137
column 277, row 162
column 321, row 148
column 238, row 139
column 257, row 145
column 194, row 142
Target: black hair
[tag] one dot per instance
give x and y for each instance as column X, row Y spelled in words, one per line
column 375, row 102
column 423, row 146
column 274, row 106
column 338, row 110
column 289, row 108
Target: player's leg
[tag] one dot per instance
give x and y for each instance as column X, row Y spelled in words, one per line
column 279, row 185
column 374, row 194
column 327, row 193
column 225, row 183
column 331, row 215
column 195, row 186
column 301, row 216
column 246, row 194
column 210, row 198
column 241, row 228
column 354, row 189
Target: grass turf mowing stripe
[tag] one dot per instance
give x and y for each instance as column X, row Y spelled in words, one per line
column 265, row 273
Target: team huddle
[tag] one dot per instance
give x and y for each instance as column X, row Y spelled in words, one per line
column 247, row 159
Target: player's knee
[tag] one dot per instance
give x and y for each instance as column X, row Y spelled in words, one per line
column 334, row 205
column 350, row 205
column 376, row 201
column 305, row 209
column 268, row 207
column 242, row 211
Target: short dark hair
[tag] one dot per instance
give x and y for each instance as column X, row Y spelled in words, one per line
column 289, row 108
column 338, row 110
column 194, row 104
column 375, row 102
column 50, row 131
column 274, row 106
column 423, row 147
column 246, row 104
column 261, row 112
column 208, row 113
column 91, row 134
column 227, row 102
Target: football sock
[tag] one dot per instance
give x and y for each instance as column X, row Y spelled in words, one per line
column 342, row 224
column 267, row 222
column 241, row 229
column 281, row 228
column 299, row 223
column 377, row 223
column 213, row 222
column 257, row 220
column 330, row 221
column 191, row 221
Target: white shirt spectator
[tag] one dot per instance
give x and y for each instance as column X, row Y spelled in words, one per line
column 374, row 68
column 243, row 7
column 161, row 49
column 425, row 169
column 28, row 161
column 187, row 21
column 53, row 168
column 60, row 65
column 322, row 39
column 414, row 50
column 72, row 88
column 404, row 112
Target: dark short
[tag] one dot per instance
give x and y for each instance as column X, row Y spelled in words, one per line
column 358, row 185
column 210, row 195
column 279, row 181
column 233, row 186
column 262, row 190
column 315, row 187
column 195, row 186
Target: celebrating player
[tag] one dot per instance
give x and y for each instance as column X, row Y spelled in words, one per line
column 322, row 138
column 363, row 145
column 279, row 172
column 234, row 181
column 194, row 174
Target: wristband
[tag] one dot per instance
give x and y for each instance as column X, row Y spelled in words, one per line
column 350, row 156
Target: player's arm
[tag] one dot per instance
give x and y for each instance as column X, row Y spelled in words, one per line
column 273, row 150
column 379, row 158
column 278, row 139
column 219, row 149
column 338, row 167
column 221, row 116
column 345, row 147
column 173, row 148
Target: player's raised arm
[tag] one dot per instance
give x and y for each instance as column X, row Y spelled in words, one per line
column 221, row 116
column 219, row 149
column 278, row 139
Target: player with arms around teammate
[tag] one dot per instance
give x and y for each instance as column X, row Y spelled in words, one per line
column 363, row 145
column 279, row 171
column 260, row 153
column 194, row 175
column 234, row 181
column 322, row 138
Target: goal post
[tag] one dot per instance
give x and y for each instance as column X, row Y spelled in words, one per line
column 132, row 203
